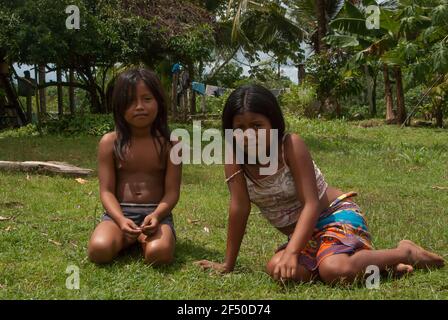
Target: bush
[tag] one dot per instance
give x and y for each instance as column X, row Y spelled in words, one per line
column 355, row 111
column 88, row 124
column 213, row 105
column 300, row 100
column 25, row 131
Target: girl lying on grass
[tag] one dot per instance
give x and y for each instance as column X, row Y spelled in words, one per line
column 139, row 185
column 327, row 232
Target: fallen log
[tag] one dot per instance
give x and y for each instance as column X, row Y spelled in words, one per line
column 45, row 166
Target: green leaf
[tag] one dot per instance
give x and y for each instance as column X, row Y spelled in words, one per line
column 440, row 57
column 393, row 57
column 408, row 50
column 440, row 15
column 352, row 25
column 353, row 12
column 388, row 22
column 333, row 8
column 432, row 34
column 341, row 41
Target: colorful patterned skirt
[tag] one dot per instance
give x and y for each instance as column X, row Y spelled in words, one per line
column 341, row 228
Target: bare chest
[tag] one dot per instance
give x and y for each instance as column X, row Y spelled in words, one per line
column 143, row 157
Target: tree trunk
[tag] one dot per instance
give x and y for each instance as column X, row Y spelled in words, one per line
column 401, row 108
column 192, row 101
column 374, row 110
column 174, row 99
column 96, row 101
column 29, row 100
column 71, row 92
column 42, row 92
column 322, row 22
column 60, row 92
column 438, row 112
column 10, row 92
column 301, row 70
column 184, row 105
column 192, row 92
column 390, row 116
column 370, row 90
column 337, row 107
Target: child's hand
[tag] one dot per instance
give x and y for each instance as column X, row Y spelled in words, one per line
column 130, row 229
column 150, row 225
column 219, row 267
column 286, row 268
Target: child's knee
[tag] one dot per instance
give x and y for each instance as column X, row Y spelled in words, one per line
column 159, row 254
column 100, row 250
column 331, row 273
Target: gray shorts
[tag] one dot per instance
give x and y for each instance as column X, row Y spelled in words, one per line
column 137, row 212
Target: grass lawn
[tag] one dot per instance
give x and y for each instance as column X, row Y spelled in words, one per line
column 51, row 218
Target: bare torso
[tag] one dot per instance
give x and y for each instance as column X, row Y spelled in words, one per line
column 141, row 178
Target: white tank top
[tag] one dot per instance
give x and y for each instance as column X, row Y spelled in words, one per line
column 276, row 195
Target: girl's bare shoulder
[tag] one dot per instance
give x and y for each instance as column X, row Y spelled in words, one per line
column 107, row 141
column 108, row 138
column 293, row 138
column 293, row 141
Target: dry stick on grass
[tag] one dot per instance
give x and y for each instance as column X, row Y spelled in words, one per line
column 439, row 188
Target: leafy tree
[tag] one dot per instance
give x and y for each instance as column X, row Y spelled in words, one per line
column 333, row 78
column 424, row 50
column 351, row 33
column 111, row 31
column 411, row 40
column 228, row 76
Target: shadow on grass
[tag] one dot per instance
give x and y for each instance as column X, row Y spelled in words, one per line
column 364, row 282
column 186, row 253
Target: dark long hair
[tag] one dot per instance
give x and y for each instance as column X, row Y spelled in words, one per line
column 124, row 93
column 257, row 99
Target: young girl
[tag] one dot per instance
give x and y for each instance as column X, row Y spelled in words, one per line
column 139, row 185
column 327, row 232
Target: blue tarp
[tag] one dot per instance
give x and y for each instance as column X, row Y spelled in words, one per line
column 198, row 87
column 176, row 68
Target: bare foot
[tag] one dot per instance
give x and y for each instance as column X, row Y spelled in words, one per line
column 419, row 257
column 402, row 269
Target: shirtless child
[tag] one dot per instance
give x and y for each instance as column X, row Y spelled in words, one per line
column 139, row 185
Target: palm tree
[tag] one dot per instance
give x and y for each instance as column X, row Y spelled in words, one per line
column 351, row 31
column 423, row 48
column 290, row 20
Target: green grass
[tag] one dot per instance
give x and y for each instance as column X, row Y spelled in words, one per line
column 394, row 172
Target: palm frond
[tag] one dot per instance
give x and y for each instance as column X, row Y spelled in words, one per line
column 351, row 25
column 341, row 40
column 333, row 8
column 388, row 4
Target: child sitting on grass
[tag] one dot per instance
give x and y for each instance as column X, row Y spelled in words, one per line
column 139, row 185
column 327, row 232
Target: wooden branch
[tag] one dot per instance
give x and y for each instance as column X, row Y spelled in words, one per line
column 48, row 166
